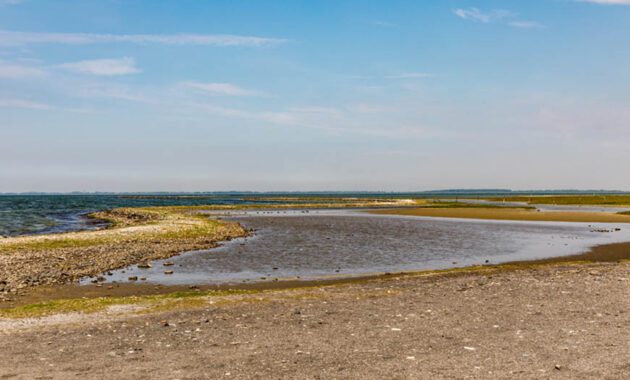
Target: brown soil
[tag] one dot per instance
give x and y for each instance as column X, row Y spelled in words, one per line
column 510, row 214
column 561, row 321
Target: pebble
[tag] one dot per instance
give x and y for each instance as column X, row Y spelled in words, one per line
column 168, row 272
column 133, row 278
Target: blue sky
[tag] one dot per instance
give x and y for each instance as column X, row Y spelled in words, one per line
column 313, row 95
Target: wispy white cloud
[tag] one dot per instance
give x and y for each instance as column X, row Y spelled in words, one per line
column 472, row 14
column 409, row 76
column 618, row 2
column 526, row 24
column 20, row 103
column 223, row 89
column 475, row 14
column 108, row 67
column 10, row 38
column 13, row 70
column 496, row 15
column 117, row 92
column 284, row 118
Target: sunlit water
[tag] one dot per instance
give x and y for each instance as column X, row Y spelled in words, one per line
column 320, row 243
column 37, row 214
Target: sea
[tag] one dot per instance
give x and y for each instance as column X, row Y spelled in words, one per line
column 27, row 214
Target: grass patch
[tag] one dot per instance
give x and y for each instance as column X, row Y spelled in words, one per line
column 472, row 205
column 137, row 225
column 93, row 305
column 605, row 200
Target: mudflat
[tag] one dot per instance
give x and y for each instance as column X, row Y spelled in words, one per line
column 561, row 321
column 510, row 214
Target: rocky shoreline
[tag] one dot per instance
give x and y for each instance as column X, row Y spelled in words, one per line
column 135, row 237
column 552, row 321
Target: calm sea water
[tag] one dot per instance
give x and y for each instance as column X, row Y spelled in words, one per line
column 287, row 244
column 33, row 214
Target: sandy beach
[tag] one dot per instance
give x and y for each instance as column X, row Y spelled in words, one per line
column 564, row 317
column 559, row 321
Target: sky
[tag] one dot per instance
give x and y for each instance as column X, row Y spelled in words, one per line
column 117, row 95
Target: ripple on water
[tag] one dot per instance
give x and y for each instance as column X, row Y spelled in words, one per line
column 289, row 244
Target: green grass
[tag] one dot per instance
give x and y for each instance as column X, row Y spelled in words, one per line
column 93, row 305
column 470, row 205
column 170, row 225
column 607, row 200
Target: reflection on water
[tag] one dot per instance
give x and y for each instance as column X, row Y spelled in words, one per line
column 296, row 243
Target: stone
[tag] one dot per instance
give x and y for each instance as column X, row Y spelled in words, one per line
column 168, row 263
column 133, row 278
column 145, row 266
column 168, row 272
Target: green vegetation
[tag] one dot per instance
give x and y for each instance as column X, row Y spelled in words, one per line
column 127, row 224
column 93, row 305
column 182, row 222
column 472, row 205
column 604, row 200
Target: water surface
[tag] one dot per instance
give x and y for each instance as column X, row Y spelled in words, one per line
column 347, row 242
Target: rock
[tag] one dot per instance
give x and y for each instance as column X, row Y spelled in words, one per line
column 145, row 266
column 101, row 279
column 558, row 367
column 133, row 278
column 94, row 281
column 167, row 263
column 143, row 278
column 168, row 272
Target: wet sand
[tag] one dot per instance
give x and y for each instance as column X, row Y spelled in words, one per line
column 559, row 321
column 510, row 214
column 608, row 253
